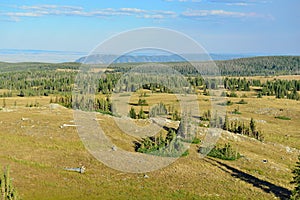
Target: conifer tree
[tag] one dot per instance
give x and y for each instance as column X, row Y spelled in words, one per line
column 226, row 123
column 132, row 113
column 296, row 181
column 252, row 126
column 7, row 191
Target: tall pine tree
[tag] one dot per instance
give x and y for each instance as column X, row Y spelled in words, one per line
column 296, row 181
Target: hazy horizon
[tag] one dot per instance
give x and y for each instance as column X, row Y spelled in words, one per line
column 56, row 56
column 227, row 26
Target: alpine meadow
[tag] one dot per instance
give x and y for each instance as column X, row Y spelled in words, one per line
column 168, row 99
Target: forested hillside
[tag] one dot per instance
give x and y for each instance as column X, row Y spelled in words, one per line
column 29, row 66
column 269, row 65
column 256, row 66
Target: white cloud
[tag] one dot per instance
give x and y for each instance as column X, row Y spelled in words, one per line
column 56, row 10
column 238, row 4
column 132, row 10
column 153, row 16
column 222, row 13
column 47, row 7
column 23, row 14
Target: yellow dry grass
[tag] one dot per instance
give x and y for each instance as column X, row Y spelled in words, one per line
column 38, row 150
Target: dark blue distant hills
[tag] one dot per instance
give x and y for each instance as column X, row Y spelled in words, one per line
column 105, row 59
column 29, row 55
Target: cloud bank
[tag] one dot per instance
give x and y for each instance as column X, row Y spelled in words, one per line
column 34, row 11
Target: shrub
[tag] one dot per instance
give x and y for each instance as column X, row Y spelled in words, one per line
column 233, row 94
column 193, row 140
column 259, row 95
column 196, row 141
column 236, row 111
column 242, row 101
column 142, row 102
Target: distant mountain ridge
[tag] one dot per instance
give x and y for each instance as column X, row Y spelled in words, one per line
column 106, row 59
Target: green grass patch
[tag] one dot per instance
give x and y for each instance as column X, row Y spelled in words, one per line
column 283, row 117
column 236, row 112
column 242, row 101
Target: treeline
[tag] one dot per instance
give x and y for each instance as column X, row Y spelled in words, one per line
column 255, row 66
column 282, row 89
column 278, row 88
column 168, row 83
column 260, row 66
column 151, row 80
column 157, row 110
column 33, row 66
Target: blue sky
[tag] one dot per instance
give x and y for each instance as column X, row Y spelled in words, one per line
column 220, row 26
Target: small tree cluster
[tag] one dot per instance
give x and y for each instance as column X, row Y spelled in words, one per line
column 237, row 84
column 141, row 115
column 159, row 109
column 6, row 94
column 241, row 128
column 103, row 105
column 282, row 89
column 224, row 153
column 169, row 146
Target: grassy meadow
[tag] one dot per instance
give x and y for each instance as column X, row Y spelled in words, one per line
column 37, row 150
